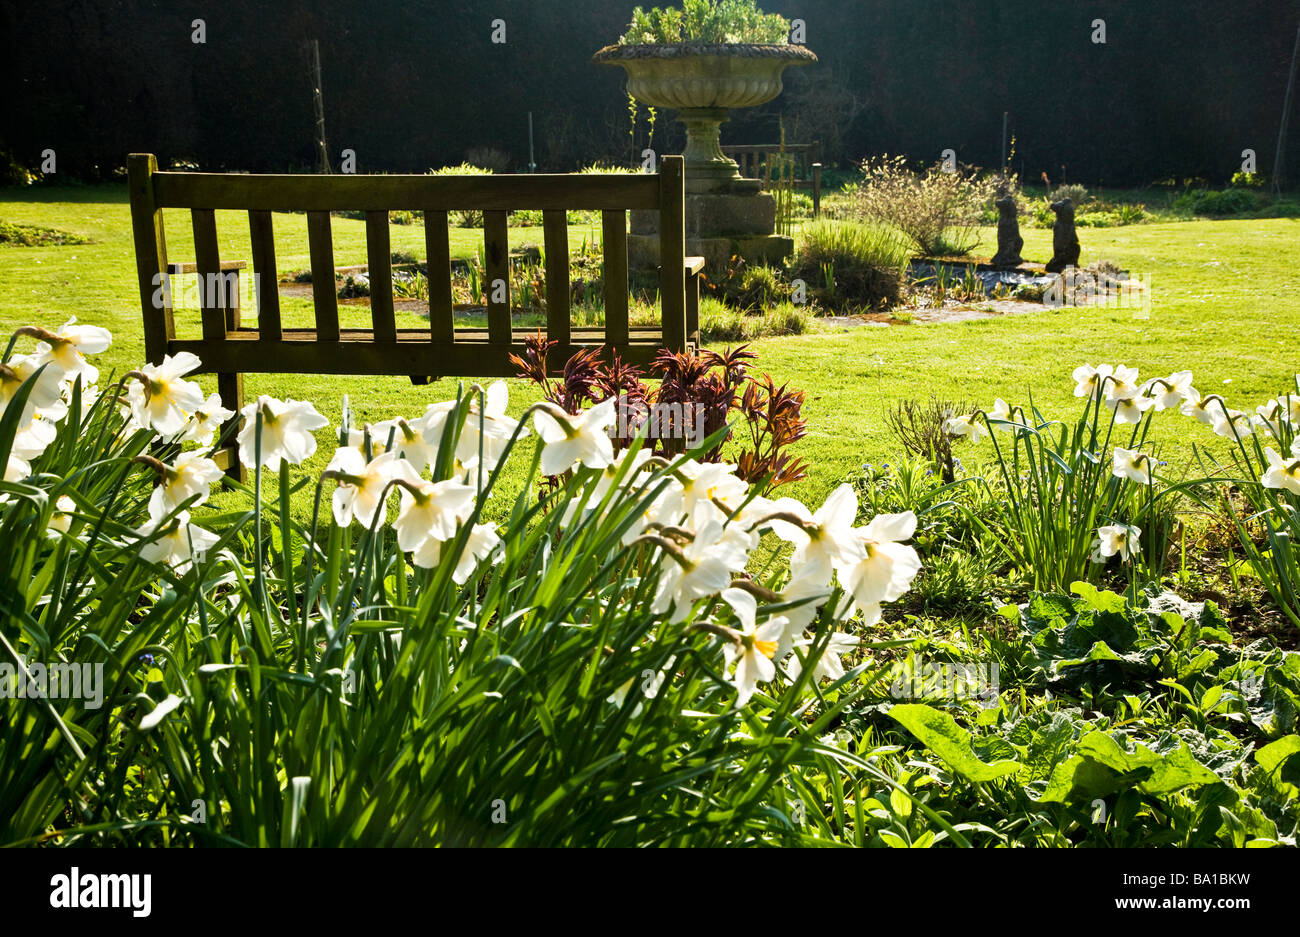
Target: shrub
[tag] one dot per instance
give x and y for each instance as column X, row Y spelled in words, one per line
column 846, row 264
column 937, row 210
column 697, row 396
column 606, row 169
column 706, row 21
column 1247, row 180
column 464, row 218
column 919, row 426
column 720, row 322
column 22, row 235
column 12, row 172
column 355, row 287
column 1227, row 202
column 1076, row 193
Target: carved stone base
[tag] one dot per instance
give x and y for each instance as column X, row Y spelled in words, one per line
column 722, row 215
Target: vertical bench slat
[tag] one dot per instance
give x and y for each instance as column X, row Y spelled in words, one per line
column 496, row 246
column 150, row 256
column 380, row 268
column 437, row 246
column 265, row 278
column 614, row 229
column 321, row 244
column 672, row 250
column 212, row 282
column 555, row 227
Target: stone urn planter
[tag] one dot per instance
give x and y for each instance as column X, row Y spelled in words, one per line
column 725, row 213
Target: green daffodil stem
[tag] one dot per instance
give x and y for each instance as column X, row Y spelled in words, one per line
column 786, row 516
column 153, row 463
column 38, row 333
column 663, row 543
column 722, row 631
column 286, row 542
column 754, row 589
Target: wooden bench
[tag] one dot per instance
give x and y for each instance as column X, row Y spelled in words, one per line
column 230, row 349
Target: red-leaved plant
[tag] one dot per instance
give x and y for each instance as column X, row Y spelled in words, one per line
column 704, row 387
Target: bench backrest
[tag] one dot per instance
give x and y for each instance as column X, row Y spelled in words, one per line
column 440, row 349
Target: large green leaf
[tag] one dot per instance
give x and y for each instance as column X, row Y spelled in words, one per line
column 940, row 733
column 1101, row 766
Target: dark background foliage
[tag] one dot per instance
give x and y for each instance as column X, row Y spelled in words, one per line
column 1179, row 90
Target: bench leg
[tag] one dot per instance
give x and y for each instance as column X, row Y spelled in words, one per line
column 231, row 386
column 693, row 309
column 231, row 389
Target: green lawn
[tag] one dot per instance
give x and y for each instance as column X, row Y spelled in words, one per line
column 1226, row 304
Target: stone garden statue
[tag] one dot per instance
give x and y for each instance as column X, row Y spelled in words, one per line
column 1065, row 242
column 1010, row 242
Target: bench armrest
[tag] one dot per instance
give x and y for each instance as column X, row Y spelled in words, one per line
column 694, row 265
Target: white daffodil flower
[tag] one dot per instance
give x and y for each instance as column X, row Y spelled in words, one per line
column 745, row 607
column 803, row 615
column 704, row 567
column 363, row 486
column 432, row 510
column 205, row 422
column 1130, row 409
column 16, row 469
column 408, row 442
column 61, row 519
column 825, row 539
column 605, row 481
column 488, row 429
column 378, row 440
column 830, row 666
column 970, row 426
column 287, row 427
column 1233, row 423
column 46, row 394
column 1116, row 540
column 1133, row 465
column 703, row 486
column 180, row 545
column 32, row 440
column 888, row 568
column 1281, row 474
column 1275, row 413
column 664, row 508
column 1171, row 391
column 582, row 439
column 162, row 400
column 1088, row 380
column 1207, row 410
column 191, row 474
column 651, row 683
column 481, row 544
column 1002, row 411
column 70, row 343
column 1123, row 385
column 752, row 655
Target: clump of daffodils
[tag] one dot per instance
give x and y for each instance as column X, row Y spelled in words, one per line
column 691, row 526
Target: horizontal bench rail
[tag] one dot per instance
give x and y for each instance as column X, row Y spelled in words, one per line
column 244, row 192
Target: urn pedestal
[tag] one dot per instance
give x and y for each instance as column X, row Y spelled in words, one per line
column 726, row 214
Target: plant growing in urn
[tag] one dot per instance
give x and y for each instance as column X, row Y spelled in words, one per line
column 702, row 61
